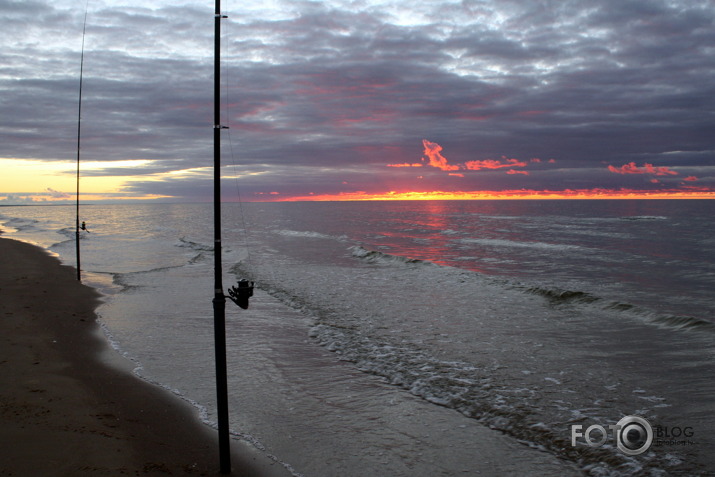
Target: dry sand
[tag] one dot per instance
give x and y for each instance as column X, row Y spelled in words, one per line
column 69, row 406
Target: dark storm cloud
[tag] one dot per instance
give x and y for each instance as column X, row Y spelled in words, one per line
column 320, row 97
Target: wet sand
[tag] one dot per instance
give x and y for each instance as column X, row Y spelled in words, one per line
column 69, row 405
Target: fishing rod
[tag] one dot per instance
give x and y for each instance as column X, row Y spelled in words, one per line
column 238, row 295
column 79, row 130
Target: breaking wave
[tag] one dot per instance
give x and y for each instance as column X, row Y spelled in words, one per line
column 306, row 234
column 513, row 243
column 474, row 392
column 644, row 217
column 186, row 243
column 557, row 296
column 373, row 256
column 17, row 224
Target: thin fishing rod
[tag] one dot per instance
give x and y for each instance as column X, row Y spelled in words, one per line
column 79, row 131
column 219, row 301
column 239, row 294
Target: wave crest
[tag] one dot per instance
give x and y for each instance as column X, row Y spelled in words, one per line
column 373, row 256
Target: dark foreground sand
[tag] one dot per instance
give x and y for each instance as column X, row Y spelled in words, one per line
column 69, row 406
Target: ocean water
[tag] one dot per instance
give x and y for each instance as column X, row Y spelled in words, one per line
column 529, row 317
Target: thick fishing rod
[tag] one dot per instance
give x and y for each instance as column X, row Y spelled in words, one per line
column 79, row 130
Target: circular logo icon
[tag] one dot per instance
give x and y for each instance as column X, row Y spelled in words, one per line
column 634, row 435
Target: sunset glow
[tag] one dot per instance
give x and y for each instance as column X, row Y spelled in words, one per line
column 391, row 110
column 35, row 182
column 506, row 195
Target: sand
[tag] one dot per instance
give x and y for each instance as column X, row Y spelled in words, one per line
column 70, row 406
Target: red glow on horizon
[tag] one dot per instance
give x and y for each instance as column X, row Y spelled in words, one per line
column 693, row 193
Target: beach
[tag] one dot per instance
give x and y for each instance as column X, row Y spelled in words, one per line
column 69, row 404
column 404, row 339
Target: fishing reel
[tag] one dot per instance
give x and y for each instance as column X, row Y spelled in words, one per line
column 240, row 295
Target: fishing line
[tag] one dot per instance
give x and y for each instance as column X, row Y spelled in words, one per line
column 246, row 237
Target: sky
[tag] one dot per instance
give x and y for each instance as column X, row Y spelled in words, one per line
column 358, row 99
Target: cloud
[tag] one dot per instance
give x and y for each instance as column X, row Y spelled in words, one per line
column 55, row 194
column 494, row 164
column 433, row 154
column 321, row 93
column 416, row 164
column 631, row 168
column 435, row 159
column 17, row 199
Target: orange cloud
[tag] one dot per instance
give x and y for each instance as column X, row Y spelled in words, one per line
column 432, row 151
column 691, row 178
column 493, row 164
column 512, row 171
column 631, row 168
column 433, row 156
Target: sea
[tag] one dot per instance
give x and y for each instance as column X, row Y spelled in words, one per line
column 577, row 329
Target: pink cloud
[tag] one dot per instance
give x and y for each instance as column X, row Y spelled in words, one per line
column 417, row 164
column 433, row 157
column 631, row 168
column 493, row 164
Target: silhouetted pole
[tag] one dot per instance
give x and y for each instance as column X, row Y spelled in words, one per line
column 79, row 124
column 219, row 301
